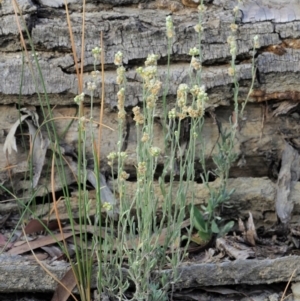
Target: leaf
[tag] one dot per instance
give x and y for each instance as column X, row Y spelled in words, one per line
column 199, row 222
column 65, row 287
column 36, row 225
column 40, row 144
column 200, row 239
column 205, row 235
column 39, row 150
column 214, row 227
column 10, row 141
column 40, row 242
column 105, row 193
column 226, row 228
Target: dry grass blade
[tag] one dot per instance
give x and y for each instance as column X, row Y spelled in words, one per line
column 102, row 98
column 73, row 47
column 282, row 298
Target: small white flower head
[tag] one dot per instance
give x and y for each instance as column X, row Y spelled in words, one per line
column 182, row 94
column 121, row 71
column 145, row 137
column 79, row 98
column 201, row 97
column 194, row 51
column 138, row 116
column 231, row 40
column 142, row 168
column 169, row 27
column 202, row 8
column 236, row 9
column 234, row 27
column 195, row 63
column 96, row 52
column 122, row 115
column 151, row 101
column 256, row 44
column 231, row 71
column 182, row 88
column 151, row 60
column 81, row 122
column 107, row 206
column 195, row 90
column 154, row 86
column 139, row 70
column 123, row 155
column 124, row 175
column 149, row 72
column 195, row 113
column 95, row 73
column 35, row 55
column 121, row 75
column 121, row 102
column 118, row 58
column 91, row 86
column 198, row 28
column 121, row 98
column 182, row 115
column 172, row 114
column 154, row 151
column 112, row 156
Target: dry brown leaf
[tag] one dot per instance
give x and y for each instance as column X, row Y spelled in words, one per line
column 53, row 251
column 249, row 232
column 36, row 225
column 3, row 243
column 39, row 256
column 251, row 235
column 241, row 226
column 63, row 293
column 40, row 242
